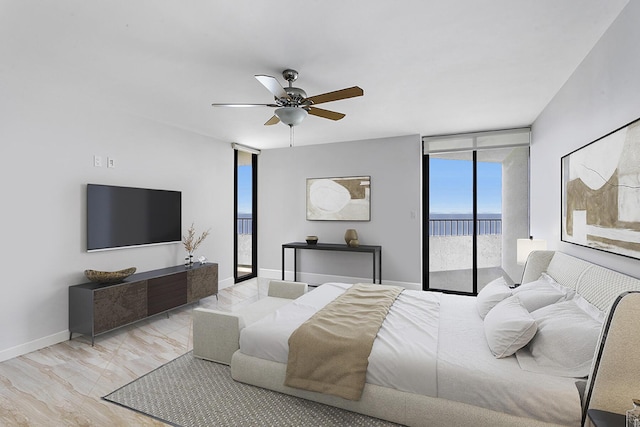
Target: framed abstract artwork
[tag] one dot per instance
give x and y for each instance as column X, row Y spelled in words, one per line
column 600, row 206
column 339, row 199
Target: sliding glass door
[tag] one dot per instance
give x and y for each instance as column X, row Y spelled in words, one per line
column 476, row 207
column 245, row 194
column 450, row 224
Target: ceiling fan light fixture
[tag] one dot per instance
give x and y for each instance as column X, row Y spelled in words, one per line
column 291, row 116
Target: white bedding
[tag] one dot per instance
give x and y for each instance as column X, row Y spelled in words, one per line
column 415, row 314
column 431, row 344
column 468, row 372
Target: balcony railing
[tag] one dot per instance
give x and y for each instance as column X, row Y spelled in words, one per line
column 437, row 227
column 463, row 227
column 244, row 225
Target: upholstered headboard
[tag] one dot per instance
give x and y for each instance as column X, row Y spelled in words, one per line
column 598, row 285
column 615, row 377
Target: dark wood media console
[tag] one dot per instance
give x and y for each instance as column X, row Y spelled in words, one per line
column 96, row 308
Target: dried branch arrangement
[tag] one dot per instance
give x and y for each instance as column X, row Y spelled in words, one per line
column 188, row 241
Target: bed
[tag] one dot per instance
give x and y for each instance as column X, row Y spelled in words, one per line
column 444, row 367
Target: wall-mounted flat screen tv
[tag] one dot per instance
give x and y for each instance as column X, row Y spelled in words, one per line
column 119, row 217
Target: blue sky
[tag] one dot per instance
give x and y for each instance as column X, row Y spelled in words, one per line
column 451, row 186
column 244, row 189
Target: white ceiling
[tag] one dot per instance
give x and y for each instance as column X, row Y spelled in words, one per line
column 426, row 67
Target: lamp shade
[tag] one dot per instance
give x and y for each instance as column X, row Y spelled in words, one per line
column 291, row 116
column 525, row 246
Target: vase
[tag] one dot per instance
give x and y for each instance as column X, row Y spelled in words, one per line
column 188, row 260
column 351, row 237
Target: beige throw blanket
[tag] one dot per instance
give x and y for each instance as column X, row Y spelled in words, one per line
column 329, row 353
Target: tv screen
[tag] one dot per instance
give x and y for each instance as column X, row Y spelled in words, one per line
column 123, row 216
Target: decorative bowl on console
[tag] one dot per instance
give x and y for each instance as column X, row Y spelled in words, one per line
column 312, row 240
column 109, row 276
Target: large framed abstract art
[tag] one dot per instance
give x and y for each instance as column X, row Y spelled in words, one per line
column 601, row 193
column 339, row 199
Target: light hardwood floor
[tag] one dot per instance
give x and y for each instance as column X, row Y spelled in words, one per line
column 62, row 385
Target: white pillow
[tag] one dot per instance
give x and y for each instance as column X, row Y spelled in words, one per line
column 565, row 342
column 589, row 308
column 508, row 327
column 493, row 292
column 549, row 279
column 542, row 292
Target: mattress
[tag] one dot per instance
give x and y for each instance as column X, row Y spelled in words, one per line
column 430, row 344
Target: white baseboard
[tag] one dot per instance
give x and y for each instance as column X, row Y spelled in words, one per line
column 225, row 283
column 59, row 337
column 318, row 279
column 310, row 278
column 34, row 345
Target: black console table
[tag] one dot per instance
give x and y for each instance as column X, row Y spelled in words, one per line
column 375, row 251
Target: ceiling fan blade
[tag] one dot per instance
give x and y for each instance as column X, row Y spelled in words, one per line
column 272, row 86
column 326, row 114
column 244, row 105
column 336, row 95
column 272, row 121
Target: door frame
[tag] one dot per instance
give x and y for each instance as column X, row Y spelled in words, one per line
column 254, row 219
column 425, row 228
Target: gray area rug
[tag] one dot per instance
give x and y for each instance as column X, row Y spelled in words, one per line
column 190, row 392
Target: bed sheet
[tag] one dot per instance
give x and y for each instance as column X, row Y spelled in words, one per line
column 469, row 373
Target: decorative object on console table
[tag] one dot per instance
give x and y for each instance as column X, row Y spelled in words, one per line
column 312, row 240
column 339, row 199
column 191, row 243
column 600, row 186
column 96, row 308
column 351, row 237
column 109, row 276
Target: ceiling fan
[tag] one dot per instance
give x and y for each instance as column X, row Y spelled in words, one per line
column 292, row 104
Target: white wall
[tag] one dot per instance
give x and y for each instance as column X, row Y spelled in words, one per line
column 394, row 166
column 601, row 95
column 47, row 148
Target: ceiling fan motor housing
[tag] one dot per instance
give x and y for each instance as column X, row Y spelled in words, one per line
column 296, row 94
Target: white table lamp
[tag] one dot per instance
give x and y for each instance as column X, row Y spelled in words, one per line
column 526, row 246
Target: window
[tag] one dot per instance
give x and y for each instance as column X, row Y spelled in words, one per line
column 245, row 214
column 476, row 191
